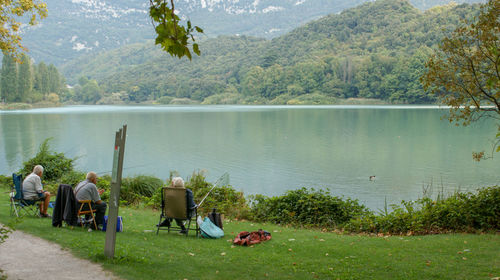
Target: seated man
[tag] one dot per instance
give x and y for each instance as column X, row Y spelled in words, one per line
column 33, row 190
column 87, row 190
column 178, row 182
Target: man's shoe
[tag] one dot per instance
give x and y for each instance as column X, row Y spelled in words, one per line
column 99, row 227
column 45, row 215
column 165, row 223
column 183, row 230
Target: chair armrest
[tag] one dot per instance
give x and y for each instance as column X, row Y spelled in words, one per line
column 194, row 207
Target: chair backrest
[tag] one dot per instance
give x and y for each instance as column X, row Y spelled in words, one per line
column 18, row 185
column 174, row 201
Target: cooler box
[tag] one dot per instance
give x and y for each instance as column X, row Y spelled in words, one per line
column 119, row 224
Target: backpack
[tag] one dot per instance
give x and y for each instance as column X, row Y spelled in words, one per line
column 246, row 238
column 216, row 218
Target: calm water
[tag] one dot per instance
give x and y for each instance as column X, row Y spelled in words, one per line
column 268, row 149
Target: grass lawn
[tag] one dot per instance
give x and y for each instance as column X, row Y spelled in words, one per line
column 291, row 253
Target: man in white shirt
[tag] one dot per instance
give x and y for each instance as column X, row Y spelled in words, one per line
column 33, row 190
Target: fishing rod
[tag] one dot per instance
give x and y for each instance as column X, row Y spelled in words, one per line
column 223, row 181
column 135, row 166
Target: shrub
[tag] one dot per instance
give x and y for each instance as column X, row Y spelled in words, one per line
column 165, row 99
column 459, row 212
column 225, row 199
column 54, row 164
column 72, row 178
column 5, row 180
column 306, row 207
column 135, row 189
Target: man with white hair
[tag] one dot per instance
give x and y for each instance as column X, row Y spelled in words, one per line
column 178, row 182
column 33, row 190
column 87, row 190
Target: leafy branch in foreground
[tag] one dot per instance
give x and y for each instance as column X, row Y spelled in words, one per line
column 10, row 11
column 465, row 72
column 173, row 37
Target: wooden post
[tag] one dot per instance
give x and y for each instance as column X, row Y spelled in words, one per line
column 114, row 197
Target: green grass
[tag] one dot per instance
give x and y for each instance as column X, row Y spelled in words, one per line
column 290, row 254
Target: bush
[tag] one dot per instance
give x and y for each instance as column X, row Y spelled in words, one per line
column 225, row 199
column 165, row 99
column 136, row 189
column 5, row 180
column 54, row 164
column 459, row 212
column 306, row 207
column 72, row 178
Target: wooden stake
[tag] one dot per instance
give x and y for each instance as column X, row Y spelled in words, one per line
column 114, row 197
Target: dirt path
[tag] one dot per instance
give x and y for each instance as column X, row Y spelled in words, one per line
column 25, row 256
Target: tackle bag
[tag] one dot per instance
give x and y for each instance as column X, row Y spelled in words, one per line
column 119, row 224
column 210, row 230
column 216, row 218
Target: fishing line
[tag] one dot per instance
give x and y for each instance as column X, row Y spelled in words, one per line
column 125, row 168
column 223, row 181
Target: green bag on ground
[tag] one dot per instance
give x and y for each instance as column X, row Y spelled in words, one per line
column 210, row 230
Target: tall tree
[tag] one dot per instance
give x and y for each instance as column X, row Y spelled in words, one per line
column 9, row 78
column 24, row 79
column 465, row 72
column 10, row 13
column 42, row 79
column 54, row 79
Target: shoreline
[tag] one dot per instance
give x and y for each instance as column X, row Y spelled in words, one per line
column 135, row 107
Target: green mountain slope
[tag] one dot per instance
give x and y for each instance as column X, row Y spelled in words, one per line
column 376, row 50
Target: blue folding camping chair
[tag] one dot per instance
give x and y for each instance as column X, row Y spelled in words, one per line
column 18, row 205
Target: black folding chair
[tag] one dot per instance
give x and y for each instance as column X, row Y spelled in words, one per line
column 18, row 205
column 174, row 206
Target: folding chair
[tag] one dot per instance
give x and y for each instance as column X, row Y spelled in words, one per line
column 18, row 205
column 174, row 206
column 86, row 209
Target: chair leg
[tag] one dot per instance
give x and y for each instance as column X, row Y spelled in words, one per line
column 158, row 225
column 13, row 208
column 188, row 226
column 93, row 219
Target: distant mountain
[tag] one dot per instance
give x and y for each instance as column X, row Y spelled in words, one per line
column 376, row 50
column 76, row 27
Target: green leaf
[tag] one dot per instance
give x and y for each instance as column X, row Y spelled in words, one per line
column 196, row 49
column 198, row 29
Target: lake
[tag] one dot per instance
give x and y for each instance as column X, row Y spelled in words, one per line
column 268, row 149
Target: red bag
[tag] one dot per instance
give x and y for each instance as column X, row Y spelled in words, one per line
column 246, row 238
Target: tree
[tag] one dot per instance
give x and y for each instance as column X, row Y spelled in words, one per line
column 42, row 79
column 9, row 78
column 172, row 36
column 10, row 12
column 464, row 73
column 24, row 79
column 54, row 80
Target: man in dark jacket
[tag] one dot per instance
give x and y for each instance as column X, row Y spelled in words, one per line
column 178, row 182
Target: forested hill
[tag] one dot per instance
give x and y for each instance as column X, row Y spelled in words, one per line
column 76, row 27
column 376, row 50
